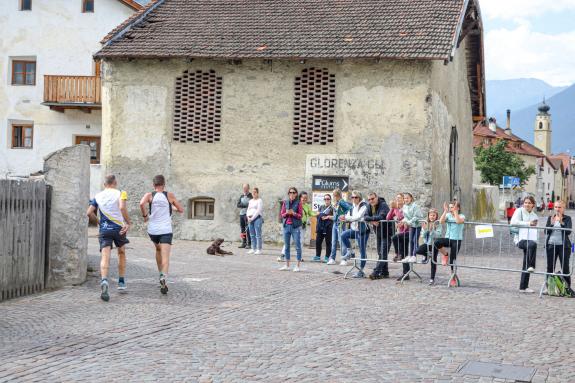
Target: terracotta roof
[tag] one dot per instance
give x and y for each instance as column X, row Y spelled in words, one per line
column 402, row 29
column 565, row 159
column 514, row 143
column 128, row 21
column 132, row 4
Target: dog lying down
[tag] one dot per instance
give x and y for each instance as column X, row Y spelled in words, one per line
column 215, row 248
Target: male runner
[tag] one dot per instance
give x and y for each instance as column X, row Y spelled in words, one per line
column 156, row 209
column 114, row 224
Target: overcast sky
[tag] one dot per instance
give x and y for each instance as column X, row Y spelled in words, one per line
column 530, row 38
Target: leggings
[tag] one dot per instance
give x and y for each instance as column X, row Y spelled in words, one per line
column 454, row 246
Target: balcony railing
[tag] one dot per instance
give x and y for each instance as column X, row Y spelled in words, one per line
column 69, row 90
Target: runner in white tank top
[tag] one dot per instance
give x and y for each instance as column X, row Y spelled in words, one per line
column 159, row 221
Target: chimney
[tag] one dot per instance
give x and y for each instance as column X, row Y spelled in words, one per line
column 508, row 128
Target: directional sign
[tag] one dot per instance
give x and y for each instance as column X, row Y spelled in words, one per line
column 328, row 183
column 510, row 182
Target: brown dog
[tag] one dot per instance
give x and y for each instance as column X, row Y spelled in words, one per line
column 215, row 248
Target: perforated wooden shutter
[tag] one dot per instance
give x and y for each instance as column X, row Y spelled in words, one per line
column 314, row 107
column 198, row 107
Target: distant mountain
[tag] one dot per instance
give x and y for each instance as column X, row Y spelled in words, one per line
column 562, row 120
column 516, row 94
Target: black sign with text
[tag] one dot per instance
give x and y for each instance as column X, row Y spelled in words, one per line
column 328, row 183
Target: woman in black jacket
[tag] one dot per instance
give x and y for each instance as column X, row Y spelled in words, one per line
column 557, row 242
column 323, row 229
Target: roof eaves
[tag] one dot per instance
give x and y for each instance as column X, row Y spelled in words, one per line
column 458, row 29
column 132, row 4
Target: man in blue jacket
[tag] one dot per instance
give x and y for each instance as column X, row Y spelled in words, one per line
column 377, row 212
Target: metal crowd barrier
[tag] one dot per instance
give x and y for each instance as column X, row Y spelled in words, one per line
column 485, row 246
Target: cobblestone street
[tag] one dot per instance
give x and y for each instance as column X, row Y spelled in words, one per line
column 237, row 318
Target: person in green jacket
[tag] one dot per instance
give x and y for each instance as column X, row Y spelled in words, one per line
column 412, row 217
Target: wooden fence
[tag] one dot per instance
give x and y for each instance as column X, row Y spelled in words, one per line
column 72, row 89
column 23, row 237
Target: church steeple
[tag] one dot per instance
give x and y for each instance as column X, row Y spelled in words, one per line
column 543, row 129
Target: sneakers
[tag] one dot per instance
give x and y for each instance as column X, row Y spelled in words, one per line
column 104, row 295
column 359, row 274
column 343, row 262
column 281, row 258
column 530, row 269
column 296, row 269
column 397, row 258
column 424, row 259
column 257, row 252
column 284, row 268
column 243, row 246
column 527, row 291
column 122, row 285
column 316, row 259
column 431, row 282
column 251, row 251
column 373, row 277
column 409, row 259
column 163, row 286
column 331, row 261
column 326, row 260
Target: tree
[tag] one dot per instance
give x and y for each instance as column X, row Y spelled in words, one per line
column 495, row 162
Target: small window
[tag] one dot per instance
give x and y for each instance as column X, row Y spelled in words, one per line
column 87, row 6
column 94, row 144
column 540, row 125
column 25, row 5
column 201, row 208
column 23, row 72
column 22, row 136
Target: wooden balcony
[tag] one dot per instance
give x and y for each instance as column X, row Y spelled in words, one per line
column 72, row 92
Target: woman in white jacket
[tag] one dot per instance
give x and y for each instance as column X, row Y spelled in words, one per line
column 358, row 230
column 526, row 239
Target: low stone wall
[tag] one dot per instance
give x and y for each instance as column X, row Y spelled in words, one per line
column 486, row 203
column 67, row 171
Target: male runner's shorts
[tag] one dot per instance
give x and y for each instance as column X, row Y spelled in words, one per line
column 111, row 238
column 161, row 238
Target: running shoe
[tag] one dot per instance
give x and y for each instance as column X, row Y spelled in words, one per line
column 281, row 258
column 530, row 269
column 316, row 259
column 343, row 262
column 122, row 285
column 296, row 269
column 431, row 282
column 257, row 252
column 284, row 268
column 331, row 262
column 104, row 295
column 251, row 251
column 163, row 286
column 359, row 274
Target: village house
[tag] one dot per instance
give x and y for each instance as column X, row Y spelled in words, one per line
column 50, row 84
column 379, row 94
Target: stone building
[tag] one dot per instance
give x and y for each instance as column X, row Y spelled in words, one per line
column 50, row 83
column 215, row 94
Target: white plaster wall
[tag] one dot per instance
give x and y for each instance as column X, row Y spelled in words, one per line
column 63, row 40
column 380, row 115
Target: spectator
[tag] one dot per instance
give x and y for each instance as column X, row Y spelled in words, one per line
column 291, row 213
column 549, row 205
column 242, row 204
column 509, row 212
column 453, row 238
column 340, row 207
column 411, row 217
column 518, row 201
column 431, row 230
column 401, row 238
column 557, row 242
column 358, row 230
column 376, row 216
column 307, row 214
column 255, row 221
column 324, row 229
column 526, row 239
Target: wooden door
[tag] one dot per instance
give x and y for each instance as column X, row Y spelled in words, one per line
column 94, row 144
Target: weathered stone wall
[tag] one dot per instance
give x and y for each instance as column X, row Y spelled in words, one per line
column 381, row 118
column 68, row 173
column 449, row 106
column 486, row 203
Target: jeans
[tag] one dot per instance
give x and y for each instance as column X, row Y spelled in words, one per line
column 564, row 254
column 454, row 246
column 383, row 243
column 256, row 233
column 529, row 254
column 414, row 233
column 319, row 240
column 289, row 233
column 245, row 235
column 361, row 239
column 335, row 237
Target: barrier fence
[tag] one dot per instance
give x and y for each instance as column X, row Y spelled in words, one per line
column 485, row 246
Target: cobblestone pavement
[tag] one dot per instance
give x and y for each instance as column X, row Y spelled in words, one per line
column 238, row 319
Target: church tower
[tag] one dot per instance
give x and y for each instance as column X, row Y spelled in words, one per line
column 543, row 129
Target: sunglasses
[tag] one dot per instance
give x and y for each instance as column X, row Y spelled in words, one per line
column 327, row 199
column 354, row 197
column 292, row 192
column 371, row 199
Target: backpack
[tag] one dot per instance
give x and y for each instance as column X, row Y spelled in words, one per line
column 557, row 287
column 169, row 204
